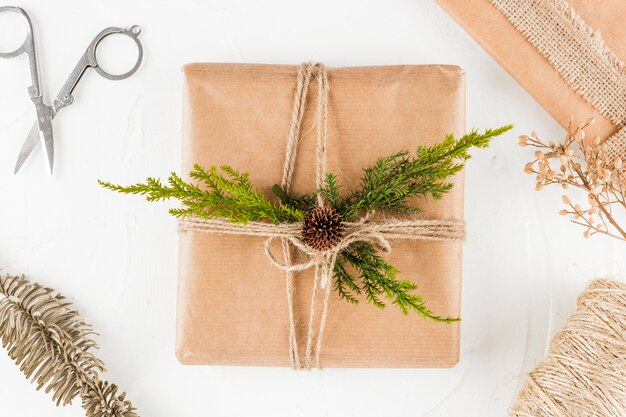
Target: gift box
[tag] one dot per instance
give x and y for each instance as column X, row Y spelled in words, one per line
column 511, row 48
column 232, row 307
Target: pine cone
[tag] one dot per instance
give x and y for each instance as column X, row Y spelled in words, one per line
column 323, row 228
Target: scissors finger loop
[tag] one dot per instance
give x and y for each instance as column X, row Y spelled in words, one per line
column 26, row 46
column 132, row 33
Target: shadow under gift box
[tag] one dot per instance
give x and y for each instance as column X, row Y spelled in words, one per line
column 232, row 303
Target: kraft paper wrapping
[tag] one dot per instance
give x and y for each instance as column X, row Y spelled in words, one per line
column 232, row 307
column 493, row 31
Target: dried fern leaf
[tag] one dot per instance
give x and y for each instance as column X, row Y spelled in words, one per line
column 102, row 400
column 52, row 346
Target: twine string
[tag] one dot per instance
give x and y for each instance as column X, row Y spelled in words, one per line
column 584, row 373
column 321, row 268
column 376, row 232
column 303, row 79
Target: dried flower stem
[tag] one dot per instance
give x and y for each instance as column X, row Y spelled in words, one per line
column 585, row 167
column 601, row 206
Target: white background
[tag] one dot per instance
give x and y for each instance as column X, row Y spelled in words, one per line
column 116, row 256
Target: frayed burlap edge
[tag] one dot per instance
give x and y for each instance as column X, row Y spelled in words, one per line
column 617, row 145
column 578, row 53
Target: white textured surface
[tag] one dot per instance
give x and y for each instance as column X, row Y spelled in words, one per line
column 116, row 256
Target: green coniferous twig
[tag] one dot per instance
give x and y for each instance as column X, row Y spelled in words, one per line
column 394, row 179
column 378, row 278
column 223, row 192
column 52, row 346
column 387, row 186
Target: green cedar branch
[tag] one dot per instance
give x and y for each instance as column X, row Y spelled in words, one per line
column 218, row 192
column 387, row 186
column 378, row 278
column 393, row 180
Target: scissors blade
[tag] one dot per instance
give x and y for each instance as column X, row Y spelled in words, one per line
column 41, row 131
column 28, row 147
column 45, row 130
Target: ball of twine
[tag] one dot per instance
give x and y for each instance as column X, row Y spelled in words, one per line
column 584, row 373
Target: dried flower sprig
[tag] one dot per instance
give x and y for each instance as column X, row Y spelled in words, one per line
column 577, row 163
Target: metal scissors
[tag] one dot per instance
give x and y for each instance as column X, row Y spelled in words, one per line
column 42, row 129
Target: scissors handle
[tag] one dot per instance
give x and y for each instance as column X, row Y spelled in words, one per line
column 28, row 48
column 89, row 60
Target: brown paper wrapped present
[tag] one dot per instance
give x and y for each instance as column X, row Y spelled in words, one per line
column 232, row 307
column 574, row 32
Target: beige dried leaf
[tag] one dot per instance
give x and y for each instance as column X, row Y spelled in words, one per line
column 52, row 346
column 523, row 141
column 543, row 167
column 528, row 168
column 103, row 400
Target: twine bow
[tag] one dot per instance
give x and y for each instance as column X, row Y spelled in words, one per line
column 378, row 233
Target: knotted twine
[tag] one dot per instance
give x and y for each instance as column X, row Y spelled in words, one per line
column 579, row 54
column 378, row 232
column 584, row 373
